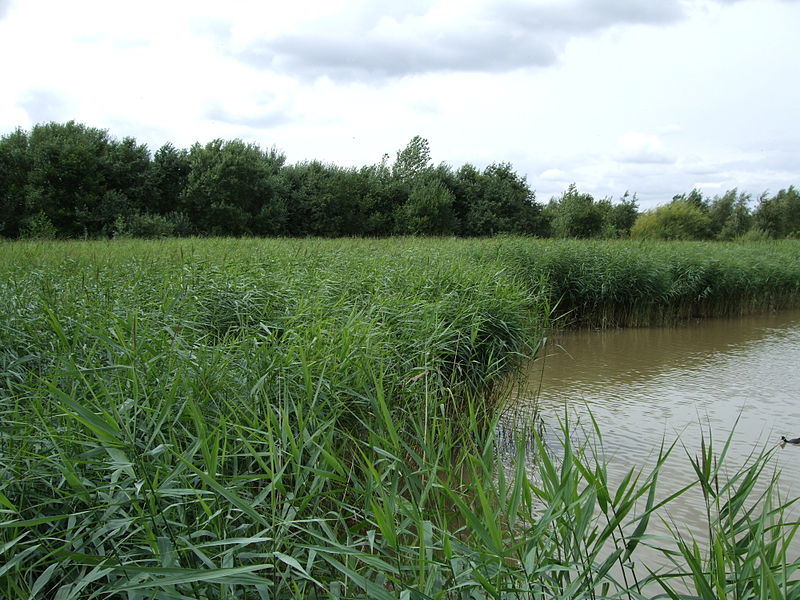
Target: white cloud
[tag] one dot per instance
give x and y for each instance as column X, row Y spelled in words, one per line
column 669, row 129
column 636, row 147
column 359, row 42
column 44, row 105
column 615, row 95
column 706, row 186
column 553, row 175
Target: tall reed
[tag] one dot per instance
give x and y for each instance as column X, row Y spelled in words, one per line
column 625, row 283
column 283, row 419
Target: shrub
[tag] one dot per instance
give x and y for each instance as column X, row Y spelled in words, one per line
column 679, row 220
column 755, row 234
column 39, row 227
column 147, row 225
column 575, row 215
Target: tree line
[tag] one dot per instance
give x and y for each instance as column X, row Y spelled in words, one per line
column 67, row 180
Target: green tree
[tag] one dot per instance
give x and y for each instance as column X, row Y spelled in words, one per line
column 77, row 177
column 513, row 201
column 383, row 193
column 468, row 192
column 575, row 215
column 429, row 209
column 167, row 178
column 128, row 171
column 413, row 160
column 679, row 220
column 694, row 198
column 38, row 227
column 229, row 185
column 321, row 200
column 496, row 200
column 617, row 219
column 69, row 177
column 730, row 215
column 779, row 215
column 14, row 168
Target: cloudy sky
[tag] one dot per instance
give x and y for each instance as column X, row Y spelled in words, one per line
column 651, row 96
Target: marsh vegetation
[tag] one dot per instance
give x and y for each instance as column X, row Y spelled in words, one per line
column 304, row 418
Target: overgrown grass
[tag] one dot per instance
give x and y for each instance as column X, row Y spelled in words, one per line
column 281, row 419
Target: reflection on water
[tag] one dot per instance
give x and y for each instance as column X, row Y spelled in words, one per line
column 645, row 386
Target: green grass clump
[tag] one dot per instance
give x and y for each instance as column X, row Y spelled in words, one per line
column 288, row 419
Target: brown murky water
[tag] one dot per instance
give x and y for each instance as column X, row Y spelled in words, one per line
column 737, row 377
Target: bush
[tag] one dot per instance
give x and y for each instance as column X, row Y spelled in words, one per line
column 755, row 235
column 429, row 210
column 575, row 215
column 39, row 227
column 146, row 225
column 679, row 220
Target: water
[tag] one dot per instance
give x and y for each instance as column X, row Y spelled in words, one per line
column 738, row 378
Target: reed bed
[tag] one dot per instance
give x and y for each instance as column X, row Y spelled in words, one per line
column 315, row 419
column 632, row 284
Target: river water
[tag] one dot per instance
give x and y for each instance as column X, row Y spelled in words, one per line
column 719, row 377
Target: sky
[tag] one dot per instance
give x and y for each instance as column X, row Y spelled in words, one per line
column 653, row 97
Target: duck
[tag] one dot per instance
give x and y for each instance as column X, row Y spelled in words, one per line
column 792, row 441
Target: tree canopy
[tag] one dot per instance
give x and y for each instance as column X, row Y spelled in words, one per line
column 69, row 180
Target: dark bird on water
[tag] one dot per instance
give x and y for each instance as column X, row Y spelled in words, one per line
column 792, row 441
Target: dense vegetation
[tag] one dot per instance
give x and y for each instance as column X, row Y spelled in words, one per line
column 73, row 181
column 315, row 418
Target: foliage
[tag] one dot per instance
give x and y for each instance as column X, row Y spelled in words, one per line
column 755, row 235
column 88, row 184
column 14, row 168
column 428, row 210
column 695, row 199
column 413, row 160
column 229, row 183
column 578, row 215
column 326, row 200
column 315, row 419
column 70, row 165
column 167, row 178
column 495, row 201
column 780, row 214
column 575, row 215
column 618, row 219
column 730, row 215
column 679, row 220
column 151, row 226
column 38, row 227
column 129, row 174
column 630, row 283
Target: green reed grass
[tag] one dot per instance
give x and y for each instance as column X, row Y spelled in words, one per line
column 314, row 419
column 624, row 283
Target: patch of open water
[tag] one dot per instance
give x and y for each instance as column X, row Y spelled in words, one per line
column 721, row 377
